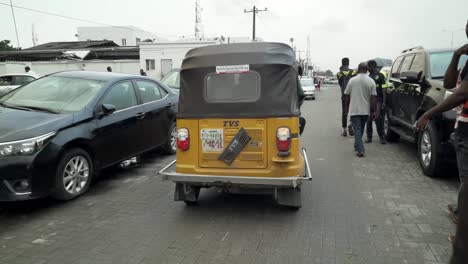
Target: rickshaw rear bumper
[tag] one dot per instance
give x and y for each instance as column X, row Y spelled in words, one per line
column 238, row 181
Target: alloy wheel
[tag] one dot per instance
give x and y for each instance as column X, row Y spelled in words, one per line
column 426, row 148
column 174, row 139
column 76, row 174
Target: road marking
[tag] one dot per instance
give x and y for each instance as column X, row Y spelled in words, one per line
column 225, row 236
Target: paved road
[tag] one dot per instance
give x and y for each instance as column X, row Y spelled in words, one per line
column 380, row 209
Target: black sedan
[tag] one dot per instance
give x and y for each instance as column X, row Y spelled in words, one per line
column 59, row 131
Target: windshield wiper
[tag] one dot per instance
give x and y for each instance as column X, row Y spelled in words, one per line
column 37, row 108
column 438, row 77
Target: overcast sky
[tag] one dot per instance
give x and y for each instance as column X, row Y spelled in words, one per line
column 359, row 29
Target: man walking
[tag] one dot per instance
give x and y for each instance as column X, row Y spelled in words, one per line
column 343, row 76
column 380, row 84
column 459, row 212
column 360, row 100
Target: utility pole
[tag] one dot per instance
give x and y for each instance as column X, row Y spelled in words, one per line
column 14, row 22
column 198, row 20
column 255, row 11
column 452, row 32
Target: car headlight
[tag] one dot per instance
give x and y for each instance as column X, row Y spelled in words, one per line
column 24, row 147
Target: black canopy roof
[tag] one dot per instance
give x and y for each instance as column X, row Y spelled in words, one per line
column 240, row 53
column 273, row 63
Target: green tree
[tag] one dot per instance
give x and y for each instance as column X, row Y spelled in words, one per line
column 329, row 73
column 5, row 45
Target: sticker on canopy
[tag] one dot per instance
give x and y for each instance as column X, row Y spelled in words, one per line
column 212, row 140
column 232, row 69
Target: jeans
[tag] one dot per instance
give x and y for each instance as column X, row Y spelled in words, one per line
column 460, row 248
column 461, row 147
column 359, row 123
column 344, row 114
column 379, row 122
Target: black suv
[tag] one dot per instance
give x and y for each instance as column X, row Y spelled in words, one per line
column 417, row 78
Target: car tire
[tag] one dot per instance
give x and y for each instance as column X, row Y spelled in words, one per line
column 170, row 147
column 390, row 135
column 76, row 165
column 429, row 151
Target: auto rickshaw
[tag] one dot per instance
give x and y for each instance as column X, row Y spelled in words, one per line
column 238, row 123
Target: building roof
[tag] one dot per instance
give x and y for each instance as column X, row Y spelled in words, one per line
column 75, row 45
column 111, row 53
column 93, row 75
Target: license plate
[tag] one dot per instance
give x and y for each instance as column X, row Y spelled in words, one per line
column 212, row 140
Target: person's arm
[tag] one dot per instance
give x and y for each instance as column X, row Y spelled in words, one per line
column 454, row 100
column 451, row 76
column 373, row 101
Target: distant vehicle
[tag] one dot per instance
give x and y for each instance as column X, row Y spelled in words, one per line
column 60, row 130
column 9, row 82
column 417, row 77
column 172, row 79
column 308, row 87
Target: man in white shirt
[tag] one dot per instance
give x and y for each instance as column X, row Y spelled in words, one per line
column 361, row 102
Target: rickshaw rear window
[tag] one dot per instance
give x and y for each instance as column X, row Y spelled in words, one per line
column 232, row 87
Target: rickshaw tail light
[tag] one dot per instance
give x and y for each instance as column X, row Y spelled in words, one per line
column 183, row 139
column 283, row 139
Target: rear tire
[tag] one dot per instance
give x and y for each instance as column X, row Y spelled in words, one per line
column 390, row 135
column 429, row 151
column 73, row 175
column 170, row 147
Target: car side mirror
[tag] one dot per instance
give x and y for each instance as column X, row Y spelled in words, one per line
column 108, row 109
column 411, row 76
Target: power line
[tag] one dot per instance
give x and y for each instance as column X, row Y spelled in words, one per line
column 79, row 19
column 14, row 22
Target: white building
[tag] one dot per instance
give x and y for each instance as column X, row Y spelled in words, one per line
column 157, row 59
column 123, row 36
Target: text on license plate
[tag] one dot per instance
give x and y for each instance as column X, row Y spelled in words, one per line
column 212, row 140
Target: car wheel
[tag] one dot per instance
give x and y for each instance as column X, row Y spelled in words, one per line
column 429, row 152
column 170, row 147
column 390, row 135
column 73, row 175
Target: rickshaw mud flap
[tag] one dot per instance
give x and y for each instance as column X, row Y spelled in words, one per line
column 234, row 148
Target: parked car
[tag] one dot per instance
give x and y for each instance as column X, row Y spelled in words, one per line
column 59, row 131
column 9, row 82
column 172, row 80
column 308, row 87
column 417, row 78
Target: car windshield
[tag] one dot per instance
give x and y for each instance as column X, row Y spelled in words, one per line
column 172, row 79
column 54, row 94
column 307, row 82
column 440, row 62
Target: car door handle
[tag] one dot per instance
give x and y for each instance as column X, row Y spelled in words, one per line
column 169, row 105
column 140, row 115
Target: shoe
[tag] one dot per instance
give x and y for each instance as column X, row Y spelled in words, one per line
column 344, row 134
column 360, row 154
column 351, row 131
column 453, row 213
column 369, row 140
column 383, row 141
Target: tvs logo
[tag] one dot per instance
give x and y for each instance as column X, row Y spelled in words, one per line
column 234, row 123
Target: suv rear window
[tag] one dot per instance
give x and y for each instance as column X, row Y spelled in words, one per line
column 236, row 87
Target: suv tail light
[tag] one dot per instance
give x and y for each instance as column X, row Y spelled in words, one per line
column 183, row 139
column 283, row 140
